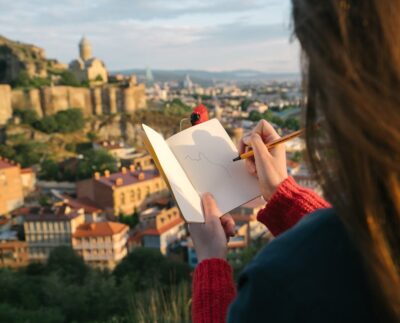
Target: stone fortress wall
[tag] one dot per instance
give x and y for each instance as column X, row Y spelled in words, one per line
column 103, row 100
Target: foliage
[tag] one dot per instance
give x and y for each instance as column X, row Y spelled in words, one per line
column 95, row 161
column 290, row 123
column 25, row 81
column 146, row 267
column 92, row 136
column 26, row 154
column 163, row 305
column 92, row 161
column 68, row 78
column 66, row 121
column 245, row 104
column 177, row 107
column 66, row 290
column 67, row 264
column 28, row 116
column 131, row 220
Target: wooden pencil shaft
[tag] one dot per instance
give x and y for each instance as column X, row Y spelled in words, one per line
column 272, row 144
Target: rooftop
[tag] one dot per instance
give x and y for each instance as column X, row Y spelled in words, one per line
column 163, row 229
column 127, row 177
column 99, row 229
column 64, row 213
column 5, row 163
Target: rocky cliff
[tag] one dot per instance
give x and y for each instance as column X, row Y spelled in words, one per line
column 16, row 57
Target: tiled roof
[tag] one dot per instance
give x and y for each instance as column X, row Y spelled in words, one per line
column 82, row 203
column 6, row 164
column 48, row 214
column 165, row 228
column 128, row 178
column 99, row 229
column 26, row 170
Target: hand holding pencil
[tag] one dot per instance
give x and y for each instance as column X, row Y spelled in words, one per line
column 269, row 166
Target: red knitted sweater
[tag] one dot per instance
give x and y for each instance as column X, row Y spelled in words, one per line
column 213, row 286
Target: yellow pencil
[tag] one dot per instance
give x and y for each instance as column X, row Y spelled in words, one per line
column 271, row 144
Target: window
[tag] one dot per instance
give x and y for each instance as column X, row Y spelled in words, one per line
column 122, row 198
column 139, row 194
column 132, row 196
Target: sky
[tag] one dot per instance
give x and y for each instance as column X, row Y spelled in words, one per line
column 213, row 35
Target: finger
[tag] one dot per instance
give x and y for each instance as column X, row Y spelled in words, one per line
column 251, row 166
column 244, row 143
column 210, row 206
column 228, row 223
column 266, row 131
column 269, row 134
column 261, row 152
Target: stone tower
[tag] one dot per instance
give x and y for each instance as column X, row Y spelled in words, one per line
column 85, row 49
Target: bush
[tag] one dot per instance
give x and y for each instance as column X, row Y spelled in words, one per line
column 67, row 121
column 68, row 78
column 144, row 268
column 27, row 116
column 25, row 81
column 177, row 107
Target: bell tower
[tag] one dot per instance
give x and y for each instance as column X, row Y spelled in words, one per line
column 85, row 49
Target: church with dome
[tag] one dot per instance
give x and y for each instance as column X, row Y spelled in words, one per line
column 88, row 68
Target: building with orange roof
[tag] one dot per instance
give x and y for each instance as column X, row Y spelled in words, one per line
column 167, row 228
column 13, row 254
column 123, row 192
column 46, row 228
column 11, row 191
column 101, row 244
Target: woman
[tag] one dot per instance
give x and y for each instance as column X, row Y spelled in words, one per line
column 338, row 264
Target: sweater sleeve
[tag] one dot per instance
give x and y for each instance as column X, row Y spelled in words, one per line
column 288, row 205
column 212, row 291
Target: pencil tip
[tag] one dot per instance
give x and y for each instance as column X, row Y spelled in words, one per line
column 236, row 159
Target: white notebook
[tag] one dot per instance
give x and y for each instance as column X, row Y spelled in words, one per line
column 198, row 160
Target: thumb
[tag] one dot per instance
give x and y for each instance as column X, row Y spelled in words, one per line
column 210, row 207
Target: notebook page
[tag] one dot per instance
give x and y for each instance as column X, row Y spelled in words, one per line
column 205, row 152
column 188, row 199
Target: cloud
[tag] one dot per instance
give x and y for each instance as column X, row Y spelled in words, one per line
column 173, row 34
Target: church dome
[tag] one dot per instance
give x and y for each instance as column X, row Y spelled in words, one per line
column 84, row 42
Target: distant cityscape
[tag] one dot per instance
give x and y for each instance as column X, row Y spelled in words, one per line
column 73, row 169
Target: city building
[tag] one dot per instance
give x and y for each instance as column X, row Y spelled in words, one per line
column 13, row 254
column 28, row 178
column 11, row 188
column 45, row 229
column 102, row 244
column 163, row 229
column 86, row 67
column 123, row 192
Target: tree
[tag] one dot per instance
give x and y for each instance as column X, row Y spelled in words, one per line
column 69, row 79
column 245, row 104
column 65, row 262
column 144, row 268
column 7, row 151
column 49, row 170
column 255, row 116
column 95, row 161
column 292, row 123
column 27, row 116
column 47, row 124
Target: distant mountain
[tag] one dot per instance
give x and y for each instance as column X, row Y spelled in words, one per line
column 206, row 77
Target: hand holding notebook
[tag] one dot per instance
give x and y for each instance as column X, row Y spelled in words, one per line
column 199, row 160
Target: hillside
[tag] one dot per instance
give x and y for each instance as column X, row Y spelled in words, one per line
column 17, row 57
